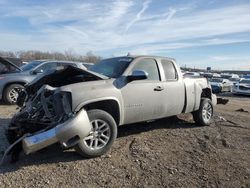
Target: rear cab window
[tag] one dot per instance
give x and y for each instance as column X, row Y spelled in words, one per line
column 169, row 70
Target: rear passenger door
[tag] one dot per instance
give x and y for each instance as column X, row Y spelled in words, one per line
column 142, row 98
column 174, row 91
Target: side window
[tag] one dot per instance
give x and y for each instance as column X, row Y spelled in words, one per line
column 149, row 66
column 45, row 67
column 169, row 70
column 61, row 66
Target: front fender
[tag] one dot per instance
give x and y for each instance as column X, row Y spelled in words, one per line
column 102, row 99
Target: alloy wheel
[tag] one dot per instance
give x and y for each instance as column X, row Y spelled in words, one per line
column 99, row 135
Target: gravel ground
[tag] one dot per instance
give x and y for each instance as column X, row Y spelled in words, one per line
column 171, row 152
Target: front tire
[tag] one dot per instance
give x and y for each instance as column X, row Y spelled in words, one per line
column 11, row 93
column 203, row 116
column 102, row 136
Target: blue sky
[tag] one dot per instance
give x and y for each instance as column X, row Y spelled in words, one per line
column 197, row 33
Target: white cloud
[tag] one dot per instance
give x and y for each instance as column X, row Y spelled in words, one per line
column 221, row 58
column 77, row 31
column 121, row 26
column 220, row 62
column 171, row 14
column 139, row 14
column 232, row 58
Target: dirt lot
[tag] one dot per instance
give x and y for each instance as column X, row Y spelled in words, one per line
column 171, row 152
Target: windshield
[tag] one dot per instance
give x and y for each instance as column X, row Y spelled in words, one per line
column 245, row 81
column 113, row 67
column 87, row 65
column 30, row 65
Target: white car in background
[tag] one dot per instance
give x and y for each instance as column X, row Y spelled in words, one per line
column 220, row 85
column 191, row 74
column 235, row 78
column 216, row 75
column 242, row 87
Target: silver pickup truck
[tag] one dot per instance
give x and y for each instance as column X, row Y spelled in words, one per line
column 82, row 108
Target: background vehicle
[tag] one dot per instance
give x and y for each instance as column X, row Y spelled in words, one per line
column 234, row 79
column 82, row 109
column 246, row 77
column 7, row 66
column 191, row 74
column 220, row 85
column 242, row 87
column 13, row 78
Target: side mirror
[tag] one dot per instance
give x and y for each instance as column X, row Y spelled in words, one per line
column 138, row 75
column 36, row 71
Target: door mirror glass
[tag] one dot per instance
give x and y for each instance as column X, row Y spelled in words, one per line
column 138, row 75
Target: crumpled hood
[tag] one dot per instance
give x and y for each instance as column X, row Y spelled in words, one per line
column 62, row 77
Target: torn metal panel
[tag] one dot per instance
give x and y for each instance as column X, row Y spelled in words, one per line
column 45, row 109
column 7, row 151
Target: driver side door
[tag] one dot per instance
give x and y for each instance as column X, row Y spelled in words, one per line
column 142, row 98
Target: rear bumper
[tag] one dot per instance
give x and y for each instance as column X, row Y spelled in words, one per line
column 68, row 133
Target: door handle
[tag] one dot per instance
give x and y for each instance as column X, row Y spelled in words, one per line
column 158, row 88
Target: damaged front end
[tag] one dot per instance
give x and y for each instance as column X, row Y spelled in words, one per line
column 45, row 118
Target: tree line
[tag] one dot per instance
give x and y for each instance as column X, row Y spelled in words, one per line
column 68, row 55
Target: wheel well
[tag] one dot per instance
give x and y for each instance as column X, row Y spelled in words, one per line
column 206, row 93
column 110, row 106
column 8, row 84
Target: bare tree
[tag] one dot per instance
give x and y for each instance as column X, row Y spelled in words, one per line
column 91, row 58
column 7, row 54
column 67, row 55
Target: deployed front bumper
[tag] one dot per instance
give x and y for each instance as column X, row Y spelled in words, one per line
column 67, row 133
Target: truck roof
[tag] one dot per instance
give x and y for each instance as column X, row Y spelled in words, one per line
column 150, row 56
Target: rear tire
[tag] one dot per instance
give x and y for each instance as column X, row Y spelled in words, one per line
column 203, row 116
column 11, row 93
column 102, row 136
